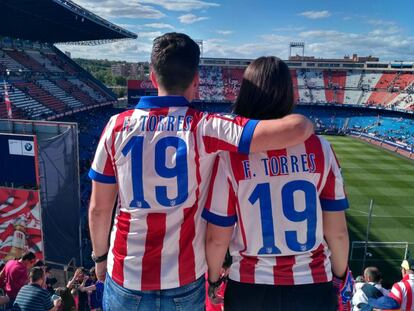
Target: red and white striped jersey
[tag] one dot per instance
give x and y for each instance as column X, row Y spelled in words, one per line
column 403, row 292
column 277, row 199
column 161, row 156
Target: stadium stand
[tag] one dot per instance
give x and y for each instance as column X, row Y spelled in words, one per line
column 46, row 83
column 390, row 90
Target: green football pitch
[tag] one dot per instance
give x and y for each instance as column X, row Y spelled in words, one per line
column 388, row 179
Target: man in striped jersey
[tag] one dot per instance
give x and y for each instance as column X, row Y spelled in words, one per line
column 401, row 296
column 157, row 159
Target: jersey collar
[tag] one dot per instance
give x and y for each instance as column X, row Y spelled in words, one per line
column 148, row 102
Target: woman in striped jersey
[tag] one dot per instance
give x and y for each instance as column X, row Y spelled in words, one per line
column 281, row 212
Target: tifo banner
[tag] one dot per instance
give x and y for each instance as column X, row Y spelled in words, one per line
column 20, row 223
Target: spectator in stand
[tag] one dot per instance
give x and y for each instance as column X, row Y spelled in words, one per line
column 50, row 280
column 401, row 296
column 81, row 297
column 68, row 302
column 33, row 297
column 15, row 275
column 95, row 291
column 291, row 240
column 372, row 288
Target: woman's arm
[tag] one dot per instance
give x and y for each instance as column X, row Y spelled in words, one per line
column 281, row 133
column 217, row 242
column 336, row 235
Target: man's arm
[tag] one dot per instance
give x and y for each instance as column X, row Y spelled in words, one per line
column 336, row 235
column 281, row 133
column 217, row 242
column 100, row 213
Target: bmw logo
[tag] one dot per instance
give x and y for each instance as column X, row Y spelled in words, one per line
column 28, row 146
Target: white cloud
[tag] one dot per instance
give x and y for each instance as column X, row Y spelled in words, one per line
column 316, row 14
column 225, row 32
column 159, row 26
column 151, row 35
column 191, row 18
column 128, row 50
column 380, row 22
column 121, row 8
column 181, row 5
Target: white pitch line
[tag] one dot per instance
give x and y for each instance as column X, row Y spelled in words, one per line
column 380, row 216
column 362, row 212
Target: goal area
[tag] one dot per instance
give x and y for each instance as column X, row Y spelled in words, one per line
column 378, row 251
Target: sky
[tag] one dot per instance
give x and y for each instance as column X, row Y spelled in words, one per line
column 249, row 29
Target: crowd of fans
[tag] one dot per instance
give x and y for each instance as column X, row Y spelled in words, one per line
column 27, row 284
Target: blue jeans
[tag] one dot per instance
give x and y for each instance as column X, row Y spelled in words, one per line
column 188, row 297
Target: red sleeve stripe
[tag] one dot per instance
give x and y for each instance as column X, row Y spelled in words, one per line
column 395, row 297
column 109, row 168
column 151, row 261
column 232, row 200
column 196, row 117
column 313, row 145
column 120, row 248
column 236, row 161
column 238, row 120
column 213, row 144
column 211, row 185
column 328, row 191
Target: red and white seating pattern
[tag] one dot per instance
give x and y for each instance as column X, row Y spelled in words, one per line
column 386, row 89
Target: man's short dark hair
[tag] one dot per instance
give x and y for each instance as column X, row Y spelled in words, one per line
column 373, row 274
column 36, row 273
column 28, row 256
column 174, row 60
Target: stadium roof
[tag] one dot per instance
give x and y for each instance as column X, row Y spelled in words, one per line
column 56, row 21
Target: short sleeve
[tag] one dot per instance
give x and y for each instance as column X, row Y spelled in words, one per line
column 396, row 293
column 227, row 132
column 333, row 197
column 220, row 208
column 102, row 169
